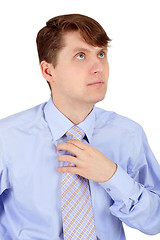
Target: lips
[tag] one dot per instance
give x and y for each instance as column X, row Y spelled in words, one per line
column 96, row 83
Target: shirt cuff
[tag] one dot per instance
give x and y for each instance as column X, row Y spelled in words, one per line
column 120, row 186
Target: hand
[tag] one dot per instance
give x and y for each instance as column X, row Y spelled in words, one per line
column 90, row 162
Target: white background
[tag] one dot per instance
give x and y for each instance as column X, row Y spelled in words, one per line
column 134, row 57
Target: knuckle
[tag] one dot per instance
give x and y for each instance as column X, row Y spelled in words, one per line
column 87, row 155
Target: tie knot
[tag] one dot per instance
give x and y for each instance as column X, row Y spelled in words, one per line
column 75, row 133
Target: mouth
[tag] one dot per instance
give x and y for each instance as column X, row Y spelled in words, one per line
column 98, row 83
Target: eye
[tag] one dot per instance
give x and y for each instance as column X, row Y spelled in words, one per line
column 80, row 56
column 101, row 55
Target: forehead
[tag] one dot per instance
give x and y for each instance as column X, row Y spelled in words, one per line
column 74, row 42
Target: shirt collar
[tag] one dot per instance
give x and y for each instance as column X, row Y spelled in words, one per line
column 60, row 124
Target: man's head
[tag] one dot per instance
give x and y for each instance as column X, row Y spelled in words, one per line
column 50, row 38
column 60, row 42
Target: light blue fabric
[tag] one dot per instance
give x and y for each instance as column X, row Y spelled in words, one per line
column 30, row 200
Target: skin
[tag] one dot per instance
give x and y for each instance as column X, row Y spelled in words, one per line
column 78, row 82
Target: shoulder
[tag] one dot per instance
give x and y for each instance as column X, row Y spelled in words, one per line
column 27, row 116
column 112, row 119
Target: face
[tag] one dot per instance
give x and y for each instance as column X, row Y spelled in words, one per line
column 81, row 73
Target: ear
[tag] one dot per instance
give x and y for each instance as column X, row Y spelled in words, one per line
column 47, row 70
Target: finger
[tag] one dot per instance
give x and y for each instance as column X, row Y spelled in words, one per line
column 70, row 148
column 79, row 144
column 73, row 170
column 68, row 158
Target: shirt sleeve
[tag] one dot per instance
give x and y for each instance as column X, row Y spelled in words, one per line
column 136, row 192
column 4, row 180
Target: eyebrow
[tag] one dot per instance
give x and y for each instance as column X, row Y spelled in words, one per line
column 79, row 49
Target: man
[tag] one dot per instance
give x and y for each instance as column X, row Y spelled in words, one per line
column 42, row 152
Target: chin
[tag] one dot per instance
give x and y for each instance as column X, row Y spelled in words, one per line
column 97, row 99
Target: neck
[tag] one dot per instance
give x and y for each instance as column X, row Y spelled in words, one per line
column 75, row 112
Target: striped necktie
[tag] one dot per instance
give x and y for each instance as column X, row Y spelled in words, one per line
column 77, row 212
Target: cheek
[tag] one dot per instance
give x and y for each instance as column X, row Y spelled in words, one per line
column 69, row 76
column 77, row 75
column 107, row 68
column 71, row 70
column 106, row 71
column 62, row 75
column 78, row 70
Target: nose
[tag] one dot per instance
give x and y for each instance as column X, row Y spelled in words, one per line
column 96, row 67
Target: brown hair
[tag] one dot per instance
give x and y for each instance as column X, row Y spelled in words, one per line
column 50, row 38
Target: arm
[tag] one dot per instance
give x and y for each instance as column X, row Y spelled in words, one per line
column 136, row 193
column 134, row 204
column 135, row 190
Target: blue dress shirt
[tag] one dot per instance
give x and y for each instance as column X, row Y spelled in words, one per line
column 30, row 186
